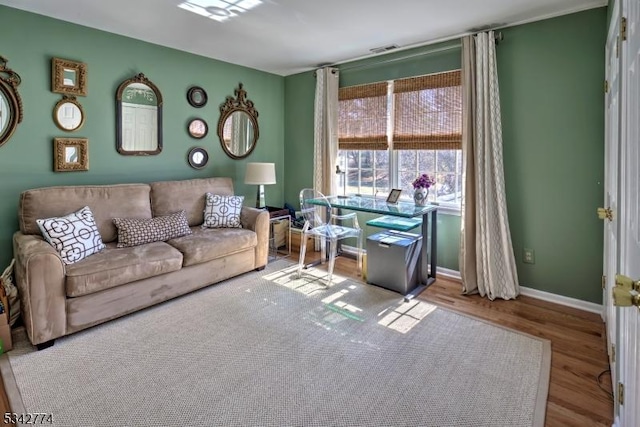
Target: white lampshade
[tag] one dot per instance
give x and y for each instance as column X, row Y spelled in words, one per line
column 260, row 173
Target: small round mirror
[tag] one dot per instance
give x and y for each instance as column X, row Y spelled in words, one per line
column 68, row 114
column 196, row 96
column 197, row 157
column 198, row 128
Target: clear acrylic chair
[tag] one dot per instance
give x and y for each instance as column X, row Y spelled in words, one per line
column 328, row 230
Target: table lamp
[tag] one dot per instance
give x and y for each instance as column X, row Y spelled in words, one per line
column 260, row 174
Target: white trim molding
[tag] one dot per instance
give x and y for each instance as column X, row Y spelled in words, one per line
column 535, row 293
column 562, row 300
column 449, row 274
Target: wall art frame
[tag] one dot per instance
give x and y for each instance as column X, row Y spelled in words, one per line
column 70, row 154
column 68, row 77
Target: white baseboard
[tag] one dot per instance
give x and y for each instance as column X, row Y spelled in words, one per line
column 562, row 300
column 535, row 293
column 449, row 274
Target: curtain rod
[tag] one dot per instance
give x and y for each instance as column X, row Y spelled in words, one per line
column 498, row 38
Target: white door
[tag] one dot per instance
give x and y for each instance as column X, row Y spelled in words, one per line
column 611, row 177
column 629, row 317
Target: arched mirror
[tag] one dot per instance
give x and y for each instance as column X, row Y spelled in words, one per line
column 68, row 114
column 10, row 102
column 197, row 157
column 138, row 117
column 238, row 125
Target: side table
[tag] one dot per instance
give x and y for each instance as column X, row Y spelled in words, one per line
column 279, row 233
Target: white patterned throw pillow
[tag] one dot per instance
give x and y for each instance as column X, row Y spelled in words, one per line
column 74, row 236
column 222, row 211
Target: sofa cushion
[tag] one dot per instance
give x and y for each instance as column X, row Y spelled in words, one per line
column 74, row 236
column 171, row 196
column 116, row 266
column 138, row 231
column 222, row 211
column 106, row 202
column 205, row 244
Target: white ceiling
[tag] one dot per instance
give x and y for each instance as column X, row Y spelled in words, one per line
column 290, row 36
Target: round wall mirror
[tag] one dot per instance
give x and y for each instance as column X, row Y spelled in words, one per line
column 196, row 96
column 198, row 128
column 138, row 117
column 197, row 157
column 238, row 125
column 68, row 114
column 10, row 102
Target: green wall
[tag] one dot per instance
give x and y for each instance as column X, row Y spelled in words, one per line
column 26, row 160
column 551, row 82
column 551, row 75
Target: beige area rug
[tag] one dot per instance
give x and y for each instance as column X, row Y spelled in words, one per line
column 266, row 349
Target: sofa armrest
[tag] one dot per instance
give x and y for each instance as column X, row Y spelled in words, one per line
column 40, row 278
column 258, row 221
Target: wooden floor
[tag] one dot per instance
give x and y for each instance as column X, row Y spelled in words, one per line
column 577, row 340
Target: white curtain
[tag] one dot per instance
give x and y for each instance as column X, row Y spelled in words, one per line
column 325, row 141
column 487, row 264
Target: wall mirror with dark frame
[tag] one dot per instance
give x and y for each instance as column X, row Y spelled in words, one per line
column 68, row 114
column 10, row 102
column 138, row 117
column 238, row 125
column 197, row 128
column 196, row 96
column 198, row 157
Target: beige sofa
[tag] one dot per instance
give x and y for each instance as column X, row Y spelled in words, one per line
column 59, row 299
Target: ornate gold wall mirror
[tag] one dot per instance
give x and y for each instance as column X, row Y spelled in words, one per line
column 238, row 125
column 10, row 102
column 68, row 114
column 68, row 77
column 138, row 117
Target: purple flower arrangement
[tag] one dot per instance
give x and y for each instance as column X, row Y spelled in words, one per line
column 423, row 181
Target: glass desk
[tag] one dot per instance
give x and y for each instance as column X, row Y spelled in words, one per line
column 375, row 205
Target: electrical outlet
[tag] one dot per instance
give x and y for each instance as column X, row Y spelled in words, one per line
column 528, row 256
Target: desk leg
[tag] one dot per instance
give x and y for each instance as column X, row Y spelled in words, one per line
column 429, row 254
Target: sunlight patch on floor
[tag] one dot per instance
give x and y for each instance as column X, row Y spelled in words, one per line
column 407, row 315
column 311, row 281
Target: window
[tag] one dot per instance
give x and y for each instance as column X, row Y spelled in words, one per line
column 391, row 132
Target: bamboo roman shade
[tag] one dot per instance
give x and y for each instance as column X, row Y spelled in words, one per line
column 428, row 112
column 362, row 117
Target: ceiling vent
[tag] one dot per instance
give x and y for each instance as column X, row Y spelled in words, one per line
column 383, row 48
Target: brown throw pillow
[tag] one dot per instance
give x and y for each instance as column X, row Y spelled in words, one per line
column 138, row 231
